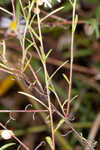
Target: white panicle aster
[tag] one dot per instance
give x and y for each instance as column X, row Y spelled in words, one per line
column 10, row 25
column 7, row 134
column 47, row 3
column 5, row 22
column 59, row 1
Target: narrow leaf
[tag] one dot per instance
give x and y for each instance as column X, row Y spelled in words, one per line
column 49, row 141
column 75, row 23
column 31, row 96
column 66, row 78
column 53, row 12
column 57, row 70
column 6, row 67
column 48, row 53
column 43, row 55
column 27, row 63
column 34, row 33
column 8, row 12
column 6, row 146
column 59, row 124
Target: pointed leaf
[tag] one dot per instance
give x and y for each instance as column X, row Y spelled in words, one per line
column 66, row 78
column 49, row 141
column 6, row 146
column 48, row 53
column 75, row 23
column 59, row 124
column 31, row 96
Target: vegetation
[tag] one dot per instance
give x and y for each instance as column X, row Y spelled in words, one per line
column 49, row 74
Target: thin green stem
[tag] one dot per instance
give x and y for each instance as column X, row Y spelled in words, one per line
column 46, row 81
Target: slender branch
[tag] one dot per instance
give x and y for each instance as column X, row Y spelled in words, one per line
column 31, row 111
column 35, row 76
column 61, row 20
column 71, row 63
column 14, row 11
column 46, row 81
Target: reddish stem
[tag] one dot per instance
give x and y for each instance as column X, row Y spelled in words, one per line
column 71, row 63
column 10, row 111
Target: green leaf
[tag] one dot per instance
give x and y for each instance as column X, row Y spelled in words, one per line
column 31, row 96
column 76, row 20
column 49, row 141
column 75, row 23
column 66, row 78
column 57, row 70
column 27, row 48
column 5, row 66
column 6, row 146
column 48, row 53
column 53, row 12
column 27, row 63
column 43, row 55
column 59, row 124
column 34, row 33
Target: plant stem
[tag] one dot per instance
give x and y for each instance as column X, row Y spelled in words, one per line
column 14, row 11
column 50, row 109
column 71, row 63
column 46, row 81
